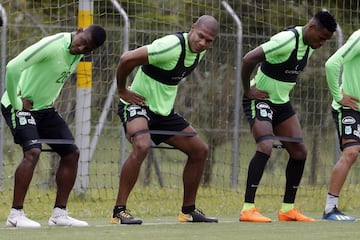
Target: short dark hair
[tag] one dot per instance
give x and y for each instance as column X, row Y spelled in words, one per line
column 326, row 20
column 98, row 34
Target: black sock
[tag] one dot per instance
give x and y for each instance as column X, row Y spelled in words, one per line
column 60, row 206
column 255, row 172
column 118, row 209
column 187, row 209
column 18, row 207
column 294, row 172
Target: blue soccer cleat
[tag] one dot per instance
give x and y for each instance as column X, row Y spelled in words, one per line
column 336, row 215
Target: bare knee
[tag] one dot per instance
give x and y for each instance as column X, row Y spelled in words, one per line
column 203, row 149
column 299, row 153
column 200, row 151
column 265, row 146
column 141, row 144
column 350, row 155
column 71, row 159
column 140, row 148
column 32, row 156
column 28, row 162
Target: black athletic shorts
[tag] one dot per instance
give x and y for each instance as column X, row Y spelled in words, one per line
column 28, row 127
column 264, row 110
column 172, row 122
column 347, row 122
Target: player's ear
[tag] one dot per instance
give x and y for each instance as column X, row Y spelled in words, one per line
column 313, row 24
column 79, row 30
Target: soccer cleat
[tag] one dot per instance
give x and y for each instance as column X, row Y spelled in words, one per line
column 124, row 217
column 18, row 219
column 195, row 216
column 60, row 217
column 253, row 215
column 294, row 215
column 337, row 215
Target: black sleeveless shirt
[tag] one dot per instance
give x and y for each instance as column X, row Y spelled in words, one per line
column 289, row 70
column 174, row 76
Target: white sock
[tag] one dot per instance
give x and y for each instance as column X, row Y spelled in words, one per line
column 331, row 202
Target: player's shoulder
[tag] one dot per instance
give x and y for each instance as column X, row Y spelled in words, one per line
column 164, row 44
column 57, row 36
column 55, row 39
column 287, row 34
column 167, row 39
column 280, row 38
column 352, row 43
column 355, row 34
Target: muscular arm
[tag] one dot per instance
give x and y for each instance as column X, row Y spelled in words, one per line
column 128, row 62
column 333, row 68
column 28, row 60
column 15, row 68
column 348, row 53
column 250, row 61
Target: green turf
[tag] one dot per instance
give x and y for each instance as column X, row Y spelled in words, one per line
column 156, row 202
column 167, row 228
column 158, row 207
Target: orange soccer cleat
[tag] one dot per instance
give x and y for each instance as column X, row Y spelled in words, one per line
column 253, row 215
column 294, row 215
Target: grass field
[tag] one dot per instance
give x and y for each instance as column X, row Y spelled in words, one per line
column 158, row 207
column 160, row 218
column 169, row 228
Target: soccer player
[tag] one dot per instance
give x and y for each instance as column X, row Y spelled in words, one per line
column 269, row 111
column 148, row 105
column 34, row 80
column 344, row 65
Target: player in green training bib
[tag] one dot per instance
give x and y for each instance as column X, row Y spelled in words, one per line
column 344, row 65
column 34, row 80
column 148, row 104
column 268, row 109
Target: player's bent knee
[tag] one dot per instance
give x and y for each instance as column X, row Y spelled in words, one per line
column 200, row 151
column 71, row 158
column 205, row 150
column 141, row 145
column 265, row 147
column 32, row 154
column 351, row 153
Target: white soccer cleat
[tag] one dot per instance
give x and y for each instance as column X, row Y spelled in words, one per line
column 18, row 219
column 60, row 217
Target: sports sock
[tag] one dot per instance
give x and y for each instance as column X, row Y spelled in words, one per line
column 187, row 209
column 294, row 172
column 60, row 206
column 331, row 202
column 255, row 172
column 285, row 207
column 248, row 206
column 17, row 207
column 118, row 209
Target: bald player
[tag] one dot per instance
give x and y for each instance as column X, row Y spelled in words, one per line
column 148, row 104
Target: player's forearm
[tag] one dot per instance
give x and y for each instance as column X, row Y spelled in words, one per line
column 122, row 73
column 246, row 71
column 245, row 78
column 249, row 63
column 121, row 80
